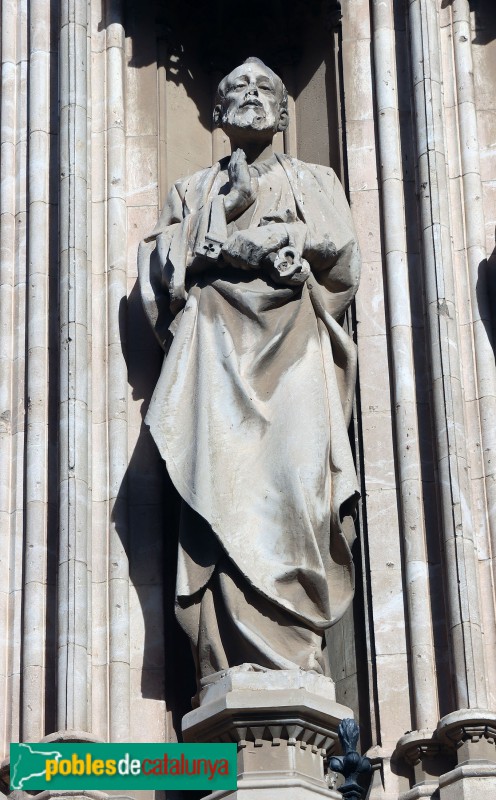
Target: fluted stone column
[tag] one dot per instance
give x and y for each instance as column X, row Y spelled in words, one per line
column 38, row 263
column 68, row 388
column 73, row 679
column 386, row 643
column 12, row 351
column 99, row 438
column 462, row 596
column 434, row 369
column 119, row 644
column 462, row 366
column 408, row 454
column 481, row 369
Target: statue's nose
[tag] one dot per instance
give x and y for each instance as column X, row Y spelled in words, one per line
column 253, row 90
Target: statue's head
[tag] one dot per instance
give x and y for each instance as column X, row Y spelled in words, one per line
column 252, row 98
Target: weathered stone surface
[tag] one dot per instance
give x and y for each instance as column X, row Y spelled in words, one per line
column 92, row 82
column 284, row 722
column 259, row 259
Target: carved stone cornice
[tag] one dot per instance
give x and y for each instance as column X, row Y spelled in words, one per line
column 427, row 757
column 453, row 731
column 275, row 730
column 293, row 708
column 467, row 736
column 471, row 733
column 417, row 745
column 467, row 725
column 283, row 722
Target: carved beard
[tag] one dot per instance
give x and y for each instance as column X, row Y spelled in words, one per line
column 254, row 117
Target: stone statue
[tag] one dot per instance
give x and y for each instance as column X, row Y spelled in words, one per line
column 251, row 266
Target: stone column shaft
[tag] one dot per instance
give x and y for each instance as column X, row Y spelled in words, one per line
column 475, row 247
column 457, row 527
column 387, row 646
column 74, row 636
column 408, row 459
column 12, row 287
column 99, row 440
column 119, row 649
column 19, row 367
column 37, row 374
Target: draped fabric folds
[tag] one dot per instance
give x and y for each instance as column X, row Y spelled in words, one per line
column 253, row 403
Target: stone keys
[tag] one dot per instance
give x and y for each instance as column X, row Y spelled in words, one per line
column 287, row 266
column 285, row 723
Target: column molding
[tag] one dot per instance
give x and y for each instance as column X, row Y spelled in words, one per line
column 117, row 381
column 74, row 636
column 404, row 406
column 457, row 534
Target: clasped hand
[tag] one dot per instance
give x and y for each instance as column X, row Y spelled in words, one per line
column 256, row 248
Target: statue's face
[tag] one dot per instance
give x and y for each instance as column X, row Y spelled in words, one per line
column 252, row 100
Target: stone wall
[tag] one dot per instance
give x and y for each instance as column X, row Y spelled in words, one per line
column 101, row 110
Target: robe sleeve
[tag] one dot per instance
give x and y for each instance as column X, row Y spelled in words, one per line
column 331, row 246
column 337, row 268
column 187, row 235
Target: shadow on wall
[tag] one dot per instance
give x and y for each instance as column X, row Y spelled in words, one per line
column 486, row 296
column 196, row 38
column 485, row 19
column 146, row 516
column 196, row 43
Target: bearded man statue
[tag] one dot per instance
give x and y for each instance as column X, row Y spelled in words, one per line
column 245, row 280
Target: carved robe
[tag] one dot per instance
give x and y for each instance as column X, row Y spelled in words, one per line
column 251, row 413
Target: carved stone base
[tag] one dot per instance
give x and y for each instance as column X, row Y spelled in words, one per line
column 423, row 791
column 471, row 781
column 279, row 788
column 428, row 758
column 467, row 736
column 284, row 723
column 472, row 732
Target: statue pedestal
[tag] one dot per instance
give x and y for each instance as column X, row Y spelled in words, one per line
column 284, row 723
